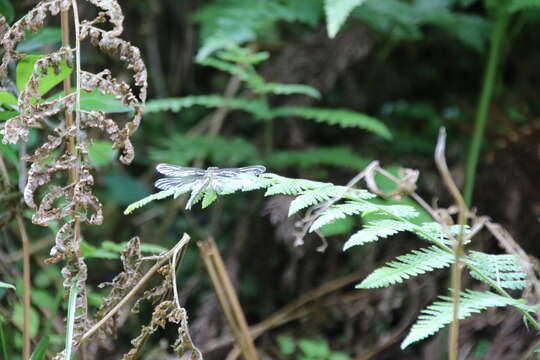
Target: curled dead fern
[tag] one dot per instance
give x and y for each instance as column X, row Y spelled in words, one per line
column 65, row 149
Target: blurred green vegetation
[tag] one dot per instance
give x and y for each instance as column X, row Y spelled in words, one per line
column 312, row 89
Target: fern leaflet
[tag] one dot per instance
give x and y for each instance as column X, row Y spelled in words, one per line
column 376, row 230
column 313, row 197
column 157, row 196
column 343, row 118
column 341, row 211
column 256, row 107
column 337, row 11
column 439, row 314
column 288, row 186
column 501, row 269
column 408, row 265
column 287, row 89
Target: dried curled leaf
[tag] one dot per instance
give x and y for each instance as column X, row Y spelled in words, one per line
column 74, row 204
column 121, row 285
column 33, row 21
column 165, row 312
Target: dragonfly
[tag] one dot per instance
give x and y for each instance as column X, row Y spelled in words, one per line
column 198, row 180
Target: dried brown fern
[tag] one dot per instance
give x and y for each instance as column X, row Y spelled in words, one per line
column 73, row 203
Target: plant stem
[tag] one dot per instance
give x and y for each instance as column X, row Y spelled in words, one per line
column 72, row 140
column 162, row 259
column 26, row 269
column 497, row 38
column 457, row 245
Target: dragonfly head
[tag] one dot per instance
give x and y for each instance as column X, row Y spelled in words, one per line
column 212, row 168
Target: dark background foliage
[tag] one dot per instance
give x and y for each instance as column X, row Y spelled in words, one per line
column 416, row 69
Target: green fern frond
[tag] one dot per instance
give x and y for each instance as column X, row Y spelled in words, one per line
column 227, row 23
column 223, row 151
column 255, row 107
column 439, row 314
column 288, row 89
column 337, row 11
column 316, row 196
column 287, row 186
column 233, row 69
column 517, row 5
column 312, row 197
column 376, row 230
column 208, row 198
column 341, row 156
column 432, row 230
column 343, row 118
column 501, row 269
column 157, row 196
column 341, row 211
column 408, row 265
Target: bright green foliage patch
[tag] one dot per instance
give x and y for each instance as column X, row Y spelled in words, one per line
column 439, row 314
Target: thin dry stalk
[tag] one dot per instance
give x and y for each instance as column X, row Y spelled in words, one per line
column 293, row 310
column 163, row 259
column 440, row 160
column 227, row 297
column 26, row 269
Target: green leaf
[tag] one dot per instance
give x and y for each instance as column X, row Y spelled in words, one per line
column 317, row 349
column 6, row 115
column 256, row 107
column 338, row 227
column 18, row 318
column 439, row 314
column 7, row 99
column 6, row 10
column 44, row 37
column 157, row 196
column 406, row 266
column 24, row 70
column 40, row 351
column 286, row 344
column 339, row 356
column 100, row 153
column 72, row 306
column 337, row 11
column 517, row 5
column 6, row 285
column 89, row 251
column 343, row 118
column 208, row 198
column 376, row 230
column 95, row 100
column 8, row 151
column 288, row 89
column 145, row 248
column 504, row 270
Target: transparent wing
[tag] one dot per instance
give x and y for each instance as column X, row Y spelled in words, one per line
column 238, row 172
column 170, row 183
column 179, row 171
column 226, row 185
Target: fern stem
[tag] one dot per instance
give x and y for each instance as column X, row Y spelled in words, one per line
column 497, row 38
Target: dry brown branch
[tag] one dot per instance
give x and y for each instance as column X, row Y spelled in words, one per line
column 227, row 298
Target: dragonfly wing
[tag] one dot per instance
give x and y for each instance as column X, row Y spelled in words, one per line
column 179, row 171
column 196, row 190
column 236, row 172
column 170, row 183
